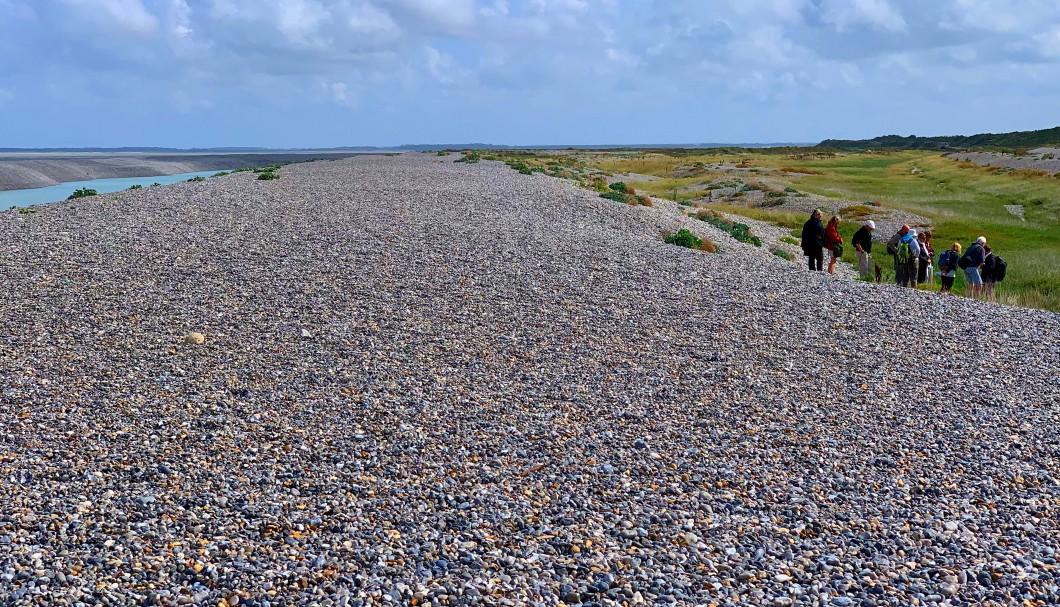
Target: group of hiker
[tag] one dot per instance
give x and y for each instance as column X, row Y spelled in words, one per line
column 914, row 256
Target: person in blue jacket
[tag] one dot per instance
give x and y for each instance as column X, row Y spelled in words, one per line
column 972, row 260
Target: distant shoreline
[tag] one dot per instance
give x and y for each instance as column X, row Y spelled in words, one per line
column 27, row 170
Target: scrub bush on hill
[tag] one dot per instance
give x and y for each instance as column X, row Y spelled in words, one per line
column 739, row 231
column 267, row 175
column 223, row 173
column 82, row 193
column 135, row 186
column 196, row 179
column 469, row 157
column 688, row 240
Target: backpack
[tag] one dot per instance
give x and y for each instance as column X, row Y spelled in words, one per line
column 964, row 262
column 945, row 260
column 999, row 269
column 905, row 255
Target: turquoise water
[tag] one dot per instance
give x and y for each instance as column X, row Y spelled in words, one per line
column 54, row 193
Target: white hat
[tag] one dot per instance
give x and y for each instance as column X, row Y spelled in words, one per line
column 870, row 224
column 981, row 240
column 912, row 232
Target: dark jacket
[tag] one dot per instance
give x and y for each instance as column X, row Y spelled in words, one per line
column 812, row 236
column 989, row 267
column 976, row 254
column 862, row 238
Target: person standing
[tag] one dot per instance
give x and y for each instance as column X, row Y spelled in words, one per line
column 813, row 241
column 948, row 266
column 924, row 259
column 989, row 273
column 862, row 242
column 972, row 260
column 833, row 242
column 892, row 248
column 906, row 257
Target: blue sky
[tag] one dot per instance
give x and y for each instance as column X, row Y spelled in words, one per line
column 305, row 73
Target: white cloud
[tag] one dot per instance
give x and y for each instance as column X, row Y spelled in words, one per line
column 851, row 14
column 129, row 15
column 623, row 58
column 448, row 16
column 440, row 65
column 368, row 19
column 1048, row 43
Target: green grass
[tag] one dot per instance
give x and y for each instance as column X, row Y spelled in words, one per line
column 196, row 179
column 962, row 201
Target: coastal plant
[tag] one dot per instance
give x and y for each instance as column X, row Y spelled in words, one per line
column 28, row 210
column 135, row 186
column 616, row 196
column 781, row 253
column 619, row 186
column 685, row 238
column 268, row 175
column 82, row 193
column 469, row 157
column 790, row 240
column 196, row 178
column 739, row 231
column 441, row 153
column 223, row 173
column 155, row 184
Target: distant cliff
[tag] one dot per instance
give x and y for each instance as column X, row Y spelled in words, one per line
column 1016, row 140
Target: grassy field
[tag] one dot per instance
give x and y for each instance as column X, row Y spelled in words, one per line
column 962, row 201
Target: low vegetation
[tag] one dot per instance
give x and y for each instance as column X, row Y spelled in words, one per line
column 739, row 231
column 268, row 175
column 685, row 238
column 196, row 178
column 82, row 193
column 781, row 253
column 223, row 173
column 135, row 186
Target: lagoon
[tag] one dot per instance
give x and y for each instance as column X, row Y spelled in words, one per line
column 61, row 191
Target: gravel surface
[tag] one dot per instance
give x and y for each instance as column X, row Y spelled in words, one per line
column 26, row 170
column 422, row 382
column 1042, row 159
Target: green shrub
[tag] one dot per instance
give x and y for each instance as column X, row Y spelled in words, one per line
column 223, row 173
column 270, row 168
column 82, row 193
column 196, row 178
column 775, row 195
column 441, row 153
column 616, row 196
column 267, row 175
column 739, row 231
column 790, row 240
column 28, row 210
column 155, row 184
column 791, row 190
column 470, row 157
column 781, row 253
column 618, row 186
column 683, row 238
column 135, row 186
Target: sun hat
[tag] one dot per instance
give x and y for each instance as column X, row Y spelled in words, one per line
column 870, row 224
column 912, row 232
column 904, row 229
column 981, row 240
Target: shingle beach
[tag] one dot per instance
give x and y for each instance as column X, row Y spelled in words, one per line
column 432, row 383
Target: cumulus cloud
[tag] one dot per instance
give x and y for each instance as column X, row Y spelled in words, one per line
column 128, row 15
column 851, row 14
column 367, row 53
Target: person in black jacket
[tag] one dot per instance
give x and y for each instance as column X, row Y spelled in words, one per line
column 989, row 278
column 862, row 242
column 813, row 241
